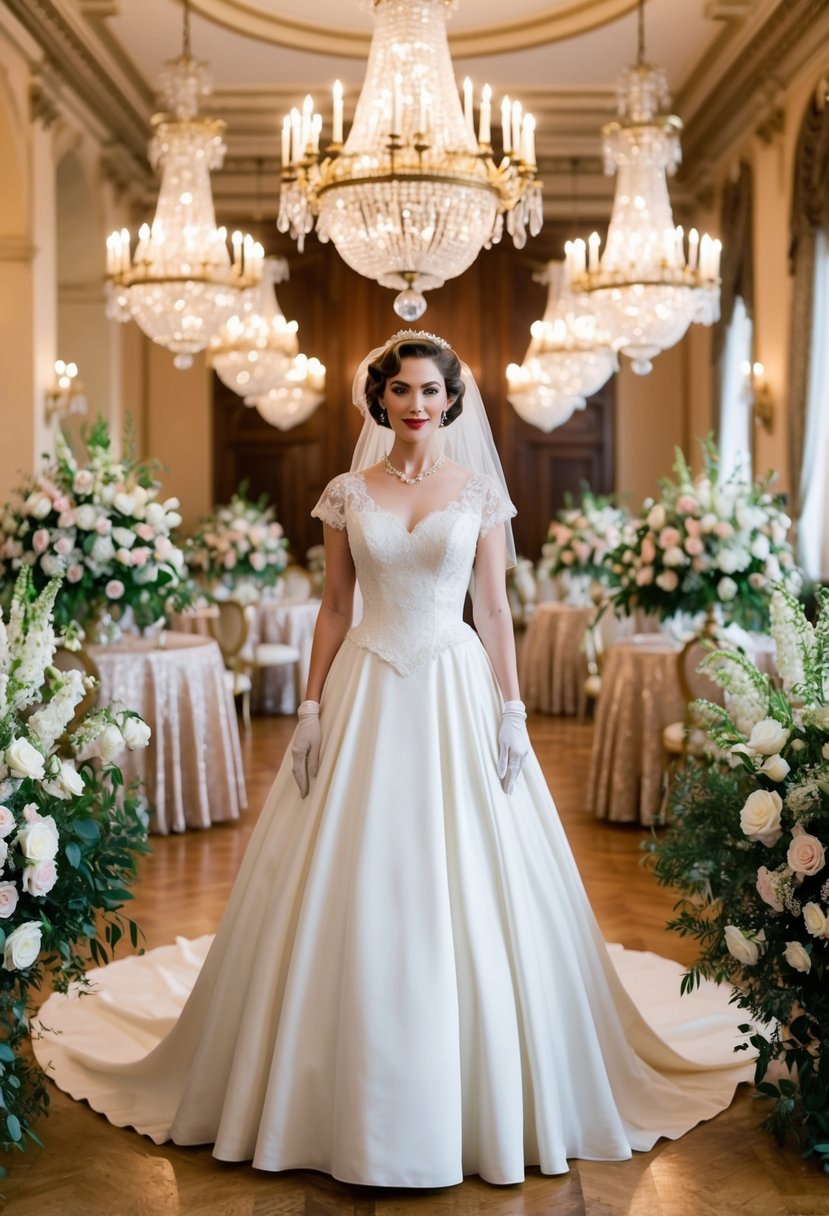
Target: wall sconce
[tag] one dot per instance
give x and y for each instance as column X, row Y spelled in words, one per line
column 66, row 396
column 758, row 395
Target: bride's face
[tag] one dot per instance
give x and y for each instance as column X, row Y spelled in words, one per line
column 415, row 400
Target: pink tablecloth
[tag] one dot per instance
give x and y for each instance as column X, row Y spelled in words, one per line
column 192, row 770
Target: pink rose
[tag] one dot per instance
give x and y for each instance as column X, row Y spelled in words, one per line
column 66, row 519
column 63, row 546
column 74, row 574
column 693, row 527
column 9, row 896
column 687, row 504
column 806, row 854
column 40, row 540
column 724, row 529
column 163, row 548
column 103, row 525
column 258, row 561
column 140, row 556
column 30, row 812
column 39, row 878
column 114, row 589
column 144, row 532
column 582, row 551
column 766, row 890
column 648, row 550
column 7, row 822
column 229, row 560
column 669, row 537
column 62, row 503
column 644, row 577
column 694, row 545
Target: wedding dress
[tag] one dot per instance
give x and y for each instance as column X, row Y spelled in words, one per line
column 408, row 984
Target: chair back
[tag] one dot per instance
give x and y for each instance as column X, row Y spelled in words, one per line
column 79, row 660
column 297, row 584
column 695, row 684
column 230, row 627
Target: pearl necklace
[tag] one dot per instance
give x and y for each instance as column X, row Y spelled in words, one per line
column 412, row 481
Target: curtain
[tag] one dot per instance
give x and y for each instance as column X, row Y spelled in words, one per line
column 735, row 402
column 737, row 273
column 810, row 213
column 813, row 529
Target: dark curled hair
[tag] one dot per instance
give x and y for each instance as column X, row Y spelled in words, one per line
column 388, row 366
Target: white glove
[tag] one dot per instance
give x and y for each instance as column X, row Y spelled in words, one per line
column 305, row 746
column 513, row 743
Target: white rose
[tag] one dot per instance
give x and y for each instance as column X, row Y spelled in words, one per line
column 109, row 743
column 4, row 852
column 102, row 550
column 768, row 737
column 760, row 816
column 173, row 519
column 39, row 505
column 39, row 841
column 67, row 782
column 155, row 514
column 22, row 946
column 674, row 556
column 797, row 957
column 775, row 767
column 817, row 923
column 123, row 502
column 24, row 760
column 136, row 733
column 123, row 556
column 740, row 947
column 86, row 517
column 709, row 522
column 123, row 537
column 760, row 547
column 7, row 822
column 38, row 879
column 727, row 589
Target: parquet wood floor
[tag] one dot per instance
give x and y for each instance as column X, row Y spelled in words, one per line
column 722, row 1168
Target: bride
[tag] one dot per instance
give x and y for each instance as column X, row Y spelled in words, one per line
column 408, row 984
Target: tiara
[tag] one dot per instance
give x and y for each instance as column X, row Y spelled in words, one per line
column 407, row 335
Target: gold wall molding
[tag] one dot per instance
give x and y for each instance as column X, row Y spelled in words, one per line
column 16, row 249
column 553, row 24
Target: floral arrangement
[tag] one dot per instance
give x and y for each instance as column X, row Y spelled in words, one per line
column 580, row 537
column 748, row 849
column 705, row 544
column 102, row 529
column 69, row 837
column 239, row 544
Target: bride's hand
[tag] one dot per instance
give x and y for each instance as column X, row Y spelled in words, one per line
column 513, row 743
column 305, row 745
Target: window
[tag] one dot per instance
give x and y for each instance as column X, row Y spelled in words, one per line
column 735, row 401
column 813, row 527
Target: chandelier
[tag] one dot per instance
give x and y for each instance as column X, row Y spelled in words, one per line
column 414, row 193
column 256, row 346
column 645, row 289
column 568, row 358
column 296, row 398
column 182, row 281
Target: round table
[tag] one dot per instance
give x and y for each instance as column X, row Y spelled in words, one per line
column 640, row 696
column 191, row 771
column 552, row 665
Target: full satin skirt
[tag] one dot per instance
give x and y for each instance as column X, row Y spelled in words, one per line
column 408, row 984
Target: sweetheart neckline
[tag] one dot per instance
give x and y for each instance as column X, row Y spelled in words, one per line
column 453, row 502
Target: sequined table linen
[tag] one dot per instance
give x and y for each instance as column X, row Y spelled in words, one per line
column 192, row 770
column 552, row 664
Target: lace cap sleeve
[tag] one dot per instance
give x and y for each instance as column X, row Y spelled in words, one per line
column 496, row 508
column 331, row 506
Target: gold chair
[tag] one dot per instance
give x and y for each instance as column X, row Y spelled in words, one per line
column 687, row 737
column 297, row 584
column 229, row 626
column 593, row 647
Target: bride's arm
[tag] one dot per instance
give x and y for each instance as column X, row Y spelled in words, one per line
column 491, row 611
column 334, row 619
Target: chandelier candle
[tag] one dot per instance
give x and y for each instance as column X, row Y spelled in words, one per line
column 413, row 194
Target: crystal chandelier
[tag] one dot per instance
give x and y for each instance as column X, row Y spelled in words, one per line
column 645, row 290
column 414, row 193
column 182, row 283
column 568, row 358
column 256, row 346
column 296, row 398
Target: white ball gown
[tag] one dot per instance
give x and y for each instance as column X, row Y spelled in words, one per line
column 408, row 984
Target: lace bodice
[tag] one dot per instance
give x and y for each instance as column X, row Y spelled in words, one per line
column 413, row 584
